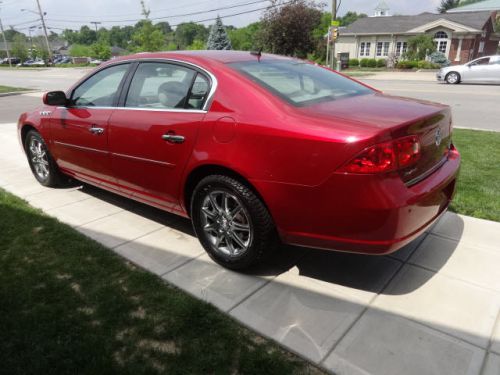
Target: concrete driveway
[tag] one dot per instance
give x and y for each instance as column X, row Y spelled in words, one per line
column 431, row 308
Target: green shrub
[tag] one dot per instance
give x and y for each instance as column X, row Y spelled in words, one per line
column 353, row 63
column 427, row 65
column 407, row 64
column 381, row 63
column 368, row 63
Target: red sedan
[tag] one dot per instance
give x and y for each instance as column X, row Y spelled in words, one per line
column 253, row 148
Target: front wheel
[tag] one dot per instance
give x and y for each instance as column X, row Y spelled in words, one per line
column 452, row 78
column 42, row 164
column 231, row 222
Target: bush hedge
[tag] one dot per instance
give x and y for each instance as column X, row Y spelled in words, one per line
column 381, row 63
column 353, row 63
column 368, row 63
column 417, row 65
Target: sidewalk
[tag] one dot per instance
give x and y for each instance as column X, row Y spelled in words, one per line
column 424, row 76
column 431, row 308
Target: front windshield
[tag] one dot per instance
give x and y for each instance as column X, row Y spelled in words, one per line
column 300, row 83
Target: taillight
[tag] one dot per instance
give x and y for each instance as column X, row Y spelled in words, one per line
column 385, row 157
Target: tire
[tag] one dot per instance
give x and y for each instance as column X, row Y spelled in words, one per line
column 42, row 164
column 452, row 78
column 243, row 215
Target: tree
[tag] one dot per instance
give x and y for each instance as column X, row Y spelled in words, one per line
column 287, row 29
column 187, row 32
column 147, row 38
column 100, row 50
column 243, row 39
column 419, row 47
column 448, row 4
column 164, row 26
column 80, row 50
column 197, row 45
column 350, row 17
column 87, row 36
column 18, row 47
column 218, row 38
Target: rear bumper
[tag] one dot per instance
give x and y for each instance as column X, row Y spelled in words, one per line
column 368, row 214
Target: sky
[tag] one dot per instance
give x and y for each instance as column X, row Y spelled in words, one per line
column 73, row 14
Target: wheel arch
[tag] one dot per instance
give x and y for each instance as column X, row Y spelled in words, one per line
column 202, row 171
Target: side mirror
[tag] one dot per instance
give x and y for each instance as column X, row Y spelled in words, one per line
column 55, row 98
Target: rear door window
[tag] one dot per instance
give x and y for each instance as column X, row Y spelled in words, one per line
column 167, row 86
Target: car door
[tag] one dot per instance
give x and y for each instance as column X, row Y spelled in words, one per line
column 477, row 70
column 153, row 134
column 80, row 130
column 495, row 68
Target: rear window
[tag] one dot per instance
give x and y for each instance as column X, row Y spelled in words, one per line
column 300, row 83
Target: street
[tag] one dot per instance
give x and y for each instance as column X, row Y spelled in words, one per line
column 474, row 106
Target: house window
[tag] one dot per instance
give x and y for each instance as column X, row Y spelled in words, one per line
column 364, row 49
column 440, row 35
column 383, row 48
column 401, row 48
column 441, row 39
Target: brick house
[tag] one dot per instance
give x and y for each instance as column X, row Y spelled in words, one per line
column 461, row 36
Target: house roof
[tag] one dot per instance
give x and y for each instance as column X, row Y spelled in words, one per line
column 403, row 24
column 490, row 5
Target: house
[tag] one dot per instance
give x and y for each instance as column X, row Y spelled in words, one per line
column 489, row 5
column 461, row 36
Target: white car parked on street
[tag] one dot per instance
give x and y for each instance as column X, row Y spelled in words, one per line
column 483, row 69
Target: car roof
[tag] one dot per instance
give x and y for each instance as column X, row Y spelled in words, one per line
column 224, row 57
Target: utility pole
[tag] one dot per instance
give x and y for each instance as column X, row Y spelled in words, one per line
column 44, row 28
column 95, row 24
column 333, row 24
column 5, row 42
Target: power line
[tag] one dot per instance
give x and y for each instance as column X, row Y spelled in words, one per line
column 118, row 15
column 171, row 16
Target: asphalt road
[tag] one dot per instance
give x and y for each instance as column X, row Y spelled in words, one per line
column 474, row 106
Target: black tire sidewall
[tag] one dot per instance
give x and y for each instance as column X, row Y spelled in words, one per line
column 263, row 228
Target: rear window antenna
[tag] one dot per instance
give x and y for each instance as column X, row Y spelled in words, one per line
column 257, row 53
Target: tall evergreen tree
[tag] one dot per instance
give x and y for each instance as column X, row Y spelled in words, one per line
column 218, row 38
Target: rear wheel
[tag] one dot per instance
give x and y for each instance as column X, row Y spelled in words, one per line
column 452, row 78
column 41, row 163
column 231, row 222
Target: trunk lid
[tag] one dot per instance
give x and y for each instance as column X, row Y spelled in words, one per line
column 396, row 117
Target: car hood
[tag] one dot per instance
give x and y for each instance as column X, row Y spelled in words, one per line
column 374, row 111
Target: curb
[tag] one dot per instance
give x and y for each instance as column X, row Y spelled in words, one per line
column 14, row 93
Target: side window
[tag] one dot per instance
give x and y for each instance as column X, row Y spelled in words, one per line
column 100, row 89
column 166, row 86
column 484, row 61
column 199, row 92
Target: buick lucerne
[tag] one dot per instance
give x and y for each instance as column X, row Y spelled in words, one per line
column 254, row 149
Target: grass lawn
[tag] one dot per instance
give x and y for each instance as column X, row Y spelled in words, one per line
column 69, row 305
column 478, row 190
column 4, row 89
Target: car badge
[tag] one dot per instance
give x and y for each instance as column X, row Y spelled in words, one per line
column 439, row 138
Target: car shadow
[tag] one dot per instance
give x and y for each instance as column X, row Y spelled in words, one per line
column 370, row 273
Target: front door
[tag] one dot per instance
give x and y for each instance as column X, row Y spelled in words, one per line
column 153, row 134
column 80, row 131
column 477, row 70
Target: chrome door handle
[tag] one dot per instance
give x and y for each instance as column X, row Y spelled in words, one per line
column 96, row 130
column 172, row 138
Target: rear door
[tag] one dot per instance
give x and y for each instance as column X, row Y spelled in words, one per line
column 495, row 68
column 153, row 134
column 80, row 131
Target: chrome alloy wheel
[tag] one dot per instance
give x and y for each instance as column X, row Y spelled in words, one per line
column 226, row 223
column 39, row 158
column 452, row 78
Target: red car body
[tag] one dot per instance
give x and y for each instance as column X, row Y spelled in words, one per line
column 293, row 157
